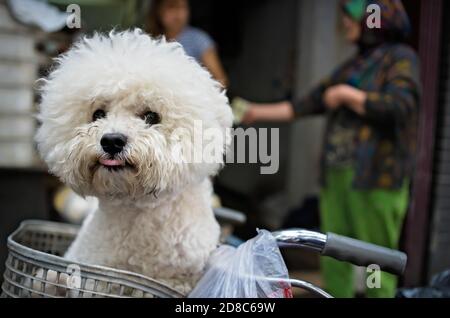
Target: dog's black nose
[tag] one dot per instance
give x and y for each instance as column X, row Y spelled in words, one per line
column 113, row 143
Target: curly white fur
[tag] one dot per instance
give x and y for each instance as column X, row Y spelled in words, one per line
column 155, row 216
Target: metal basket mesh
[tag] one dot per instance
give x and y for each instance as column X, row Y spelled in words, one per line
column 35, row 268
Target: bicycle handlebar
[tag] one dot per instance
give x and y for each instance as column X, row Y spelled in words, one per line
column 344, row 249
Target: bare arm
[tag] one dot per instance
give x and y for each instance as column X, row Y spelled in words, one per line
column 211, row 61
column 281, row 111
column 333, row 98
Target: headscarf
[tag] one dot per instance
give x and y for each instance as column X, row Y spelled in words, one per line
column 394, row 26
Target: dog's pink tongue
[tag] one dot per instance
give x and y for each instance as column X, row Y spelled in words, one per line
column 112, row 162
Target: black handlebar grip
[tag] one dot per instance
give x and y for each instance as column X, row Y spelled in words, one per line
column 364, row 254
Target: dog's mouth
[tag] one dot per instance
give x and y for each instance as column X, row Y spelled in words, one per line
column 114, row 164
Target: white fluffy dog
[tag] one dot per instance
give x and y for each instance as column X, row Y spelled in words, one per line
column 111, row 115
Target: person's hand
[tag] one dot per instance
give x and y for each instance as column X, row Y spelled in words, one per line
column 342, row 94
column 333, row 96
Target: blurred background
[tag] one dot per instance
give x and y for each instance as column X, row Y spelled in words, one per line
column 270, row 50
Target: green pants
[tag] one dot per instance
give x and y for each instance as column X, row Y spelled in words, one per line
column 374, row 216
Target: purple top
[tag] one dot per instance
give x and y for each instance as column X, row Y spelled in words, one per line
column 195, row 42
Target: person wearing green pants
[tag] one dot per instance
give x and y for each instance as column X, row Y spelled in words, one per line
column 370, row 215
column 371, row 103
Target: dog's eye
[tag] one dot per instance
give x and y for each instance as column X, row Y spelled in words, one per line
column 151, row 118
column 98, row 114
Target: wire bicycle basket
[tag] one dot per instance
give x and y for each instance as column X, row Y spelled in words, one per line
column 35, row 268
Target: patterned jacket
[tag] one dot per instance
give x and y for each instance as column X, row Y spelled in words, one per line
column 383, row 142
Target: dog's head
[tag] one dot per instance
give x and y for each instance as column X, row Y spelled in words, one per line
column 128, row 115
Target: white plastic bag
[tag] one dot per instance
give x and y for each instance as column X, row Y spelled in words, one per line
column 253, row 270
